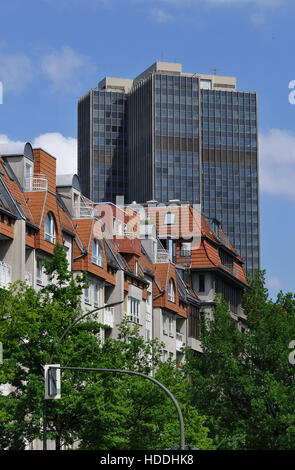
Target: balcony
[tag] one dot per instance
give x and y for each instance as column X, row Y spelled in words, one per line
column 37, row 183
column 129, row 245
column 183, row 257
column 5, row 274
column 179, row 341
column 108, row 317
column 83, row 211
column 162, row 256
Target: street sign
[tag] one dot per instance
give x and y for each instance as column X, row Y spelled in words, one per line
column 52, row 381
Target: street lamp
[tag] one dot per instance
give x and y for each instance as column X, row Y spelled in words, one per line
column 54, row 367
column 51, row 360
column 50, row 366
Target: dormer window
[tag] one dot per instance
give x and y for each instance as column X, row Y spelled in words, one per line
column 50, row 229
column 171, row 291
column 136, row 267
column 170, row 218
column 28, row 177
column 97, row 254
column 225, row 258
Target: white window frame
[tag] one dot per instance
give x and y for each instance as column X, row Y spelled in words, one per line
column 171, row 326
column 28, row 177
column 171, row 291
column 97, row 294
column 50, row 236
column 97, row 253
column 165, row 323
column 133, row 309
column 39, row 271
column 170, row 218
column 87, row 293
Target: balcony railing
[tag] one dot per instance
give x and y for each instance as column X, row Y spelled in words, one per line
column 108, row 319
column 179, row 341
column 130, row 234
column 162, row 256
column 37, row 183
column 185, row 253
column 83, row 211
column 5, row 274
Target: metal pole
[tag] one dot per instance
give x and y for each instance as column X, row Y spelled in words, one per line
column 180, row 417
column 51, row 360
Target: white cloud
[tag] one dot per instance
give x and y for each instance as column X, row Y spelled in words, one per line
column 16, row 72
column 66, row 68
column 277, row 162
column 64, row 149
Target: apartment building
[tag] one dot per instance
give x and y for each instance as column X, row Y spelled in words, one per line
column 165, row 263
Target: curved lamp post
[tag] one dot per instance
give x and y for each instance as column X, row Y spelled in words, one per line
column 180, row 417
column 131, row 372
column 51, row 360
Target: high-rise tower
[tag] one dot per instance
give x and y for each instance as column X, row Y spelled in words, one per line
column 187, row 136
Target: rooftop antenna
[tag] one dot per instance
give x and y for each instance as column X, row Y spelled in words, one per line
column 214, row 70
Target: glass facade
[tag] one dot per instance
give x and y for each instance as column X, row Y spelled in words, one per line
column 176, row 127
column 175, row 136
column 109, row 145
column 230, row 173
column 102, row 145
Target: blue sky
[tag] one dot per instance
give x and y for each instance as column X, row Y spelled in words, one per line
column 53, row 51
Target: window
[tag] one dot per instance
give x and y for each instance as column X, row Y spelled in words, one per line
column 50, row 230
column 171, row 291
column 169, row 218
column 185, row 251
column 28, row 177
column 87, row 294
column 194, row 321
column 68, row 255
column 226, row 259
column 136, row 267
column 165, row 324
column 171, row 326
column 39, row 276
column 133, row 309
column 97, row 255
column 120, row 229
column 201, row 283
column 97, row 294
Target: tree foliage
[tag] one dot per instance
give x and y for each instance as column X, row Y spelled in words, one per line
column 97, row 411
column 244, row 383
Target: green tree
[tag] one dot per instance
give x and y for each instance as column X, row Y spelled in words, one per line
column 132, row 412
column 30, row 325
column 100, row 411
column 244, row 383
